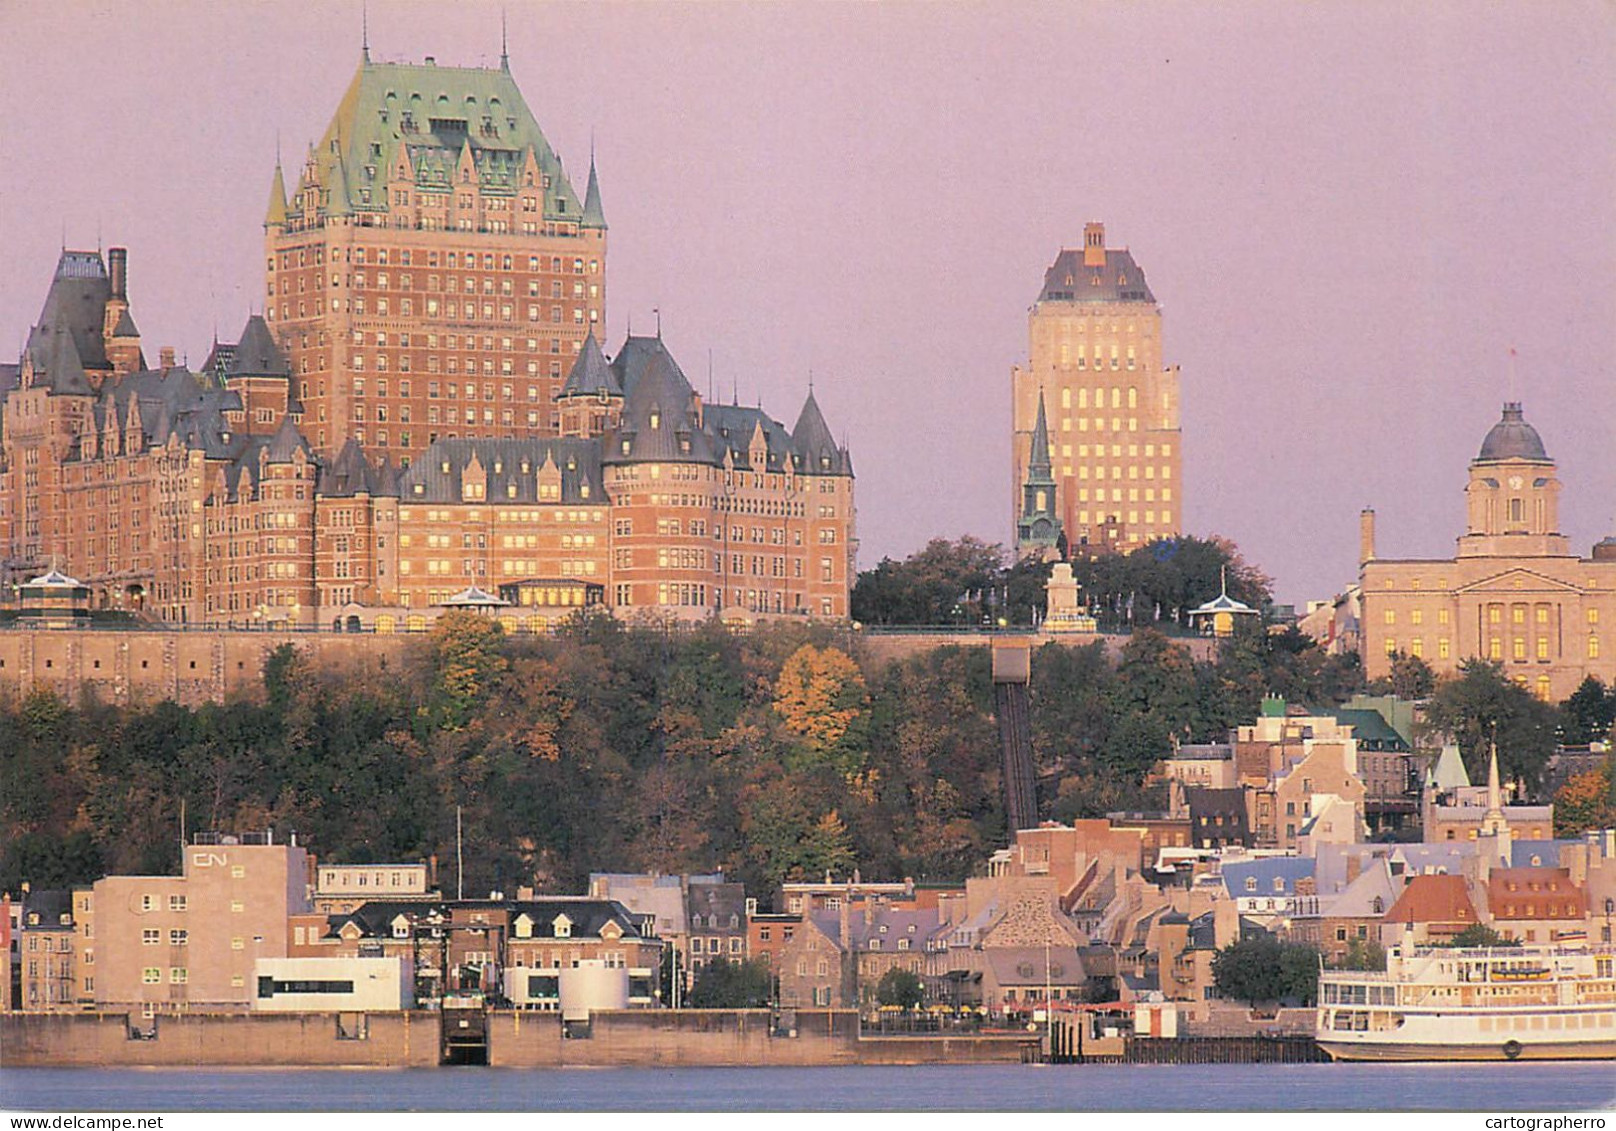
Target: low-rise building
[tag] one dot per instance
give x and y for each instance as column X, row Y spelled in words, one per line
column 322, row 985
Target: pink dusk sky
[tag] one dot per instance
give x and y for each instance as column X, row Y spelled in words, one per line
column 1351, row 213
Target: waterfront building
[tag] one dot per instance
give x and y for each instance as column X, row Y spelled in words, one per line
column 431, row 270
column 48, row 956
column 1104, row 470
column 174, row 943
column 1513, row 593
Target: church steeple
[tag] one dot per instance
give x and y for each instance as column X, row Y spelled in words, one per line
column 1039, row 528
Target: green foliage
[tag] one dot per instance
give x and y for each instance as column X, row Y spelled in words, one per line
column 732, row 985
column 1481, row 706
column 466, row 661
column 1363, row 954
column 1480, row 935
column 901, row 988
column 1264, row 970
column 1590, row 713
column 1411, row 678
column 945, row 583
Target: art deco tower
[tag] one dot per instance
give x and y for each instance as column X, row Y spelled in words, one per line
column 1095, row 358
column 433, row 274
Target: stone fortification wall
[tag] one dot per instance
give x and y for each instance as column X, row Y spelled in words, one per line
column 191, row 667
column 516, row 1039
column 134, row 666
column 391, row 1040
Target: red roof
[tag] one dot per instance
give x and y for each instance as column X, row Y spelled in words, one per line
column 1434, row 900
column 1534, row 893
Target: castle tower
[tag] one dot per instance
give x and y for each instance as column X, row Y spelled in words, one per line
column 432, row 273
column 1113, row 410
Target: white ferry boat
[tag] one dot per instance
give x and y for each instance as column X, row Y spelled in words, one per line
column 1500, row 1003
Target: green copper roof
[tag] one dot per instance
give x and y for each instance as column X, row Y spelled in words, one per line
column 277, row 199
column 594, row 217
column 434, row 114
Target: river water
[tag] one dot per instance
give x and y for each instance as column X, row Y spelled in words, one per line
column 1517, row 1087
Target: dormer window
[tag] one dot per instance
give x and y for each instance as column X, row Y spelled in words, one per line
column 1251, row 883
column 563, row 927
column 444, row 467
column 656, row 419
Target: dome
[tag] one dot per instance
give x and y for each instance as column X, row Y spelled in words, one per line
column 1512, row 438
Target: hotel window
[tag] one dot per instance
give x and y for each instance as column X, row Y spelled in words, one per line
column 151, row 937
column 1593, row 647
column 1390, row 616
column 151, row 975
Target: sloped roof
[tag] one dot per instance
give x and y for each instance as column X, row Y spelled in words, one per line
column 1119, row 280
column 1534, row 893
column 1025, row 965
column 77, row 301
column 1286, row 869
column 286, row 442
column 256, row 354
column 813, row 441
column 1448, row 771
column 1359, row 900
column 347, row 475
column 594, row 215
column 657, row 421
column 510, row 469
column 1371, row 730
column 436, row 114
column 591, row 374
column 1434, row 899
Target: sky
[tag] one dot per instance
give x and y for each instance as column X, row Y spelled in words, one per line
column 1350, row 212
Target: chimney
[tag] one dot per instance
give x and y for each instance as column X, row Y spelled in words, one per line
column 1094, row 245
column 1366, row 535
column 1354, row 867
column 165, row 357
column 118, row 268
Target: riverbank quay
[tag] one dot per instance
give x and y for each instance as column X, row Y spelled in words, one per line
column 510, row 1038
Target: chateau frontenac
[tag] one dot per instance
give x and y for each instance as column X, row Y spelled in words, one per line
column 423, row 410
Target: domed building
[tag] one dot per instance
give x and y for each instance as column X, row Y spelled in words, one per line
column 1514, row 592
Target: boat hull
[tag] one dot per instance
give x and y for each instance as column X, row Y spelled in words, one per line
column 1524, row 1050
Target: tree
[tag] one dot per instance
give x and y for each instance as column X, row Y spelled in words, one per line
column 1481, row 706
column 1589, row 713
column 732, row 985
column 1586, row 801
column 900, row 987
column 1363, row 954
column 1480, row 935
column 1411, row 678
column 928, row 586
column 1263, row 969
column 466, row 661
column 821, row 700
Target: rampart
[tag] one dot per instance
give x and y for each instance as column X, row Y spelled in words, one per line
column 131, row 666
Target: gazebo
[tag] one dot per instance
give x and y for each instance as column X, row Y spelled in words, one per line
column 1217, row 616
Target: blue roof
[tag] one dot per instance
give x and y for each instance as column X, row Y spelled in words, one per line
column 1286, row 869
column 1536, row 853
